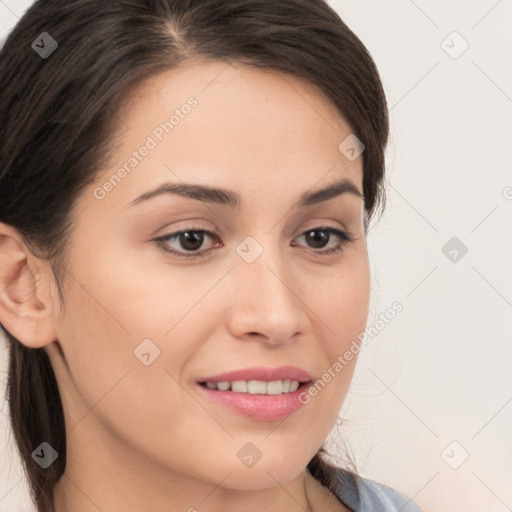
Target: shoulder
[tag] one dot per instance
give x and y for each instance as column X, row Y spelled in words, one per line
column 365, row 495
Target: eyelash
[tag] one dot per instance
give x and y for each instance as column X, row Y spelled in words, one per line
column 344, row 236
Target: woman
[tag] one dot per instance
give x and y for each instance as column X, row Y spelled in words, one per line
column 185, row 191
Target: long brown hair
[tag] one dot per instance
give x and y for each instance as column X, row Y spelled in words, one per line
column 55, row 133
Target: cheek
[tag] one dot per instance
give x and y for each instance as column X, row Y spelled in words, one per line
column 342, row 303
column 109, row 390
column 110, row 309
column 342, row 307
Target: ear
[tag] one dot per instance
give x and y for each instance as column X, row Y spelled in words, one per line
column 25, row 303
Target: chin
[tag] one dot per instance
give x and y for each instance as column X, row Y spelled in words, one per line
column 263, row 475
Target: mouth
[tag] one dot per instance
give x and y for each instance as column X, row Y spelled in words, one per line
column 256, row 387
column 262, row 394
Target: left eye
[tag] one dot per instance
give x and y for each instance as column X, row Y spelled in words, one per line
column 191, row 240
column 322, row 235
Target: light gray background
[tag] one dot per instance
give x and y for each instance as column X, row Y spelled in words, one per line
column 435, row 385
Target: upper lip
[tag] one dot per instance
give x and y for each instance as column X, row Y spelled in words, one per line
column 262, row 373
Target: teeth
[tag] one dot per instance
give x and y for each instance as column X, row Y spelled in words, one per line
column 275, row 387
column 239, row 386
column 256, row 387
column 223, row 386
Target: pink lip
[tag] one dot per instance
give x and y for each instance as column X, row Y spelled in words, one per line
column 262, row 373
column 260, row 407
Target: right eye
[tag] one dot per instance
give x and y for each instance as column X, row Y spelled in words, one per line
column 189, row 239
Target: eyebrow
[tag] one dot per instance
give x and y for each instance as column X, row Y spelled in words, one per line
column 229, row 198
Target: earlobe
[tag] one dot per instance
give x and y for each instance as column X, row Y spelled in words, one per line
column 22, row 312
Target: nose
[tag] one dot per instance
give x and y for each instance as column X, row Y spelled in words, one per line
column 265, row 304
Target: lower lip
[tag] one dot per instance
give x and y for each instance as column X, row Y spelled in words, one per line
column 259, row 407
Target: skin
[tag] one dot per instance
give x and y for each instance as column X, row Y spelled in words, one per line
column 143, row 437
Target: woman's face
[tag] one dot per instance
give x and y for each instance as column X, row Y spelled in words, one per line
column 142, row 326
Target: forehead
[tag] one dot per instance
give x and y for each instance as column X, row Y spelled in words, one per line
column 223, row 124
column 231, row 83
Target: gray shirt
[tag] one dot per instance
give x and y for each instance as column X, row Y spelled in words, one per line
column 365, row 495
